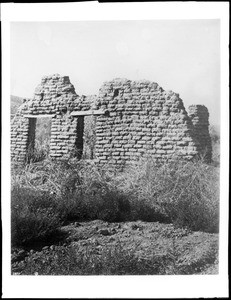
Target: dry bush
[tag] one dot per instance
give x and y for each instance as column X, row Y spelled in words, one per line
column 184, row 193
column 88, row 193
column 34, row 216
column 39, row 152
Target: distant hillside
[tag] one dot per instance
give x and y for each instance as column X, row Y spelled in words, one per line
column 15, row 102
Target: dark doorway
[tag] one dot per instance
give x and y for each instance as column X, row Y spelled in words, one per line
column 79, row 139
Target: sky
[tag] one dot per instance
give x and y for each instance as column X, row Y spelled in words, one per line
column 180, row 55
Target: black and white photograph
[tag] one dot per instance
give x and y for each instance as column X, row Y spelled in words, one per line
column 116, row 154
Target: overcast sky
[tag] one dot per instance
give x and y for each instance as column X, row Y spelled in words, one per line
column 183, row 56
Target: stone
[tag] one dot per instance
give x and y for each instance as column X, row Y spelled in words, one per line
column 139, row 114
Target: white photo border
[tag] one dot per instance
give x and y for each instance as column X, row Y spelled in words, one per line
column 115, row 286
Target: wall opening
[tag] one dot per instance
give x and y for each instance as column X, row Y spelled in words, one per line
column 89, row 137
column 39, row 139
column 31, row 140
column 116, row 93
column 79, row 138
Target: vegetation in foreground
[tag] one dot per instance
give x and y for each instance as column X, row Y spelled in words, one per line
column 49, row 195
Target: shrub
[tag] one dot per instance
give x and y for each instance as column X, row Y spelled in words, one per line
column 185, row 193
column 34, row 216
column 87, row 194
column 38, row 152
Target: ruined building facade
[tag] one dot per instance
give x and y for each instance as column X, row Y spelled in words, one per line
column 131, row 119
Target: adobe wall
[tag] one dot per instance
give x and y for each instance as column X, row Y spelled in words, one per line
column 54, row 97
column 144, row 120
column 20, row 136
column 141, row 119
column 199, row 116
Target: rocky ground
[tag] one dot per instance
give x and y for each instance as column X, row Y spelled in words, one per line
column 177, row 251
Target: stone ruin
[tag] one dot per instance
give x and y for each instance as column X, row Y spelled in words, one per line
column 130, row 119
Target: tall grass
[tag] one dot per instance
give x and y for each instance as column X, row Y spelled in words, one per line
column 38, row 152
column 187, row 193
column 35, row 216
column 48, row 194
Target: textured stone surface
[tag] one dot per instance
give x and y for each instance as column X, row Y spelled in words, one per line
column 141, row 119
column 145, row 120
column 55, row 96
column 200, row 118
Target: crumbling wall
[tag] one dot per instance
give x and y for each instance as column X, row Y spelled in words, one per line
column 20, row 136
column 55, row 97
column 140, row 120
column 199, row 116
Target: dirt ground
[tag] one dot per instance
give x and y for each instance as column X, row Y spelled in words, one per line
column 191, row 252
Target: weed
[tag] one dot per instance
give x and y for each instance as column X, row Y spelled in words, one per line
column 112, row 260
column 49, row 193
column 34, row 216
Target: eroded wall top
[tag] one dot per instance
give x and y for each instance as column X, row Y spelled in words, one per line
column 141, row 119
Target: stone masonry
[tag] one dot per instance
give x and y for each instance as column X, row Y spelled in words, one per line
column 200, row 119
column 132, row 119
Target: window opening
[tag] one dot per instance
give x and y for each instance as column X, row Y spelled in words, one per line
column 116, row 93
